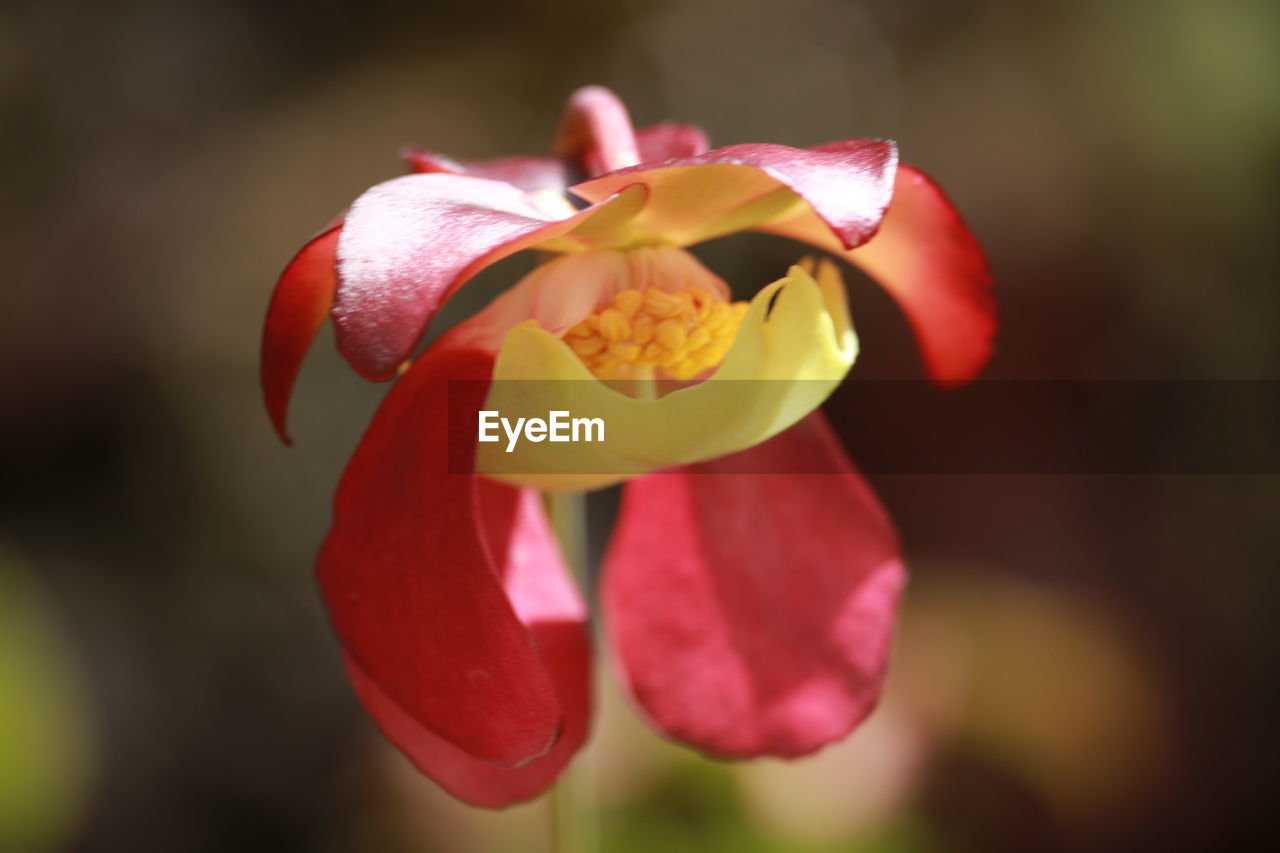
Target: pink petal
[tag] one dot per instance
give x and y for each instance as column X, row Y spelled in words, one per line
column 410, row 242
column 414, row 579
column 752, row 611
column 595, row 132
column 547, row 602
column 530, row 174
column 654, row 143
column 659, row 142
column 298, row 309
column 926, row 257
column 695, row 198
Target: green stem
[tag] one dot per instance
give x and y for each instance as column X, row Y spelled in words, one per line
column 567, row 512
column 572, row 817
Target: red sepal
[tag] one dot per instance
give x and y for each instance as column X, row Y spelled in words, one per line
column 414, row 585
column 298, row 309
column 752, row 612
column 930, row 262
column 547, row 602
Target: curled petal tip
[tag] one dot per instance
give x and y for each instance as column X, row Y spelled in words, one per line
column 929, row 261
column 298, row 309
column 595, row 131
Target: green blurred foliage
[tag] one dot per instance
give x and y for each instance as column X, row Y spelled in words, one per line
column 46, row 745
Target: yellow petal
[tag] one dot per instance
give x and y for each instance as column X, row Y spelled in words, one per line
column 795, row 345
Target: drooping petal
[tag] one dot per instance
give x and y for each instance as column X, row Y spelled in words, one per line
column 298, row 309
column 741, row 186
column 668, row 141
column 794, row 347
column 549, row 605
column 530, row 174
column 931, row 264
column 595, row 132
column 752, row 609
column 411, row 580
column 410, row 242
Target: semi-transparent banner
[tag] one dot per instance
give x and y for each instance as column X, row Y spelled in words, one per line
column 523, row 428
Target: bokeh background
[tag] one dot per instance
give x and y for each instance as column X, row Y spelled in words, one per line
column 1084, row 661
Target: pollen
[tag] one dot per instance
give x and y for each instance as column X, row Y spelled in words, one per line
column 676, row 334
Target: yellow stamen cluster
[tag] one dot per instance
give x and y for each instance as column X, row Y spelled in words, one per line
column 678, row 333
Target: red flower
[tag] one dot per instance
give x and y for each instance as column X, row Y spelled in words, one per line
column 750, row 609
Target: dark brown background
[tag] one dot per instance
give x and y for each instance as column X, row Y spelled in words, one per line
column 163, row 158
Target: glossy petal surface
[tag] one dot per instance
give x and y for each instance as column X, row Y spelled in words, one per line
column 413, row 587
column 794, row 347
column 731, row 189
column 547, row 602
column 410, row 242
column 925, row 256
column 752, row 612
column 298, row 309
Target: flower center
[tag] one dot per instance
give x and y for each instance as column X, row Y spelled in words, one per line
column 658, row 315
column 679, row 333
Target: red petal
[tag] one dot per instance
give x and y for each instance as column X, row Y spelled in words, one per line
column 410, row 242
column 659, row 142
column 932, row 265
column 848, row 185
column 752, row 612
column 298, row 309
column 549, row 605
column 530, row 174
column 410, row 580
column 595, row 132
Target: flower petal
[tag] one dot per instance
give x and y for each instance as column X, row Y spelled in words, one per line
column 931, row 264
column 654, row 143
column 549, row 605
column 298, row 309
column 794, row 347
column 410, row 242
column 410, row 580
column 667, row 141
column 752, row 612
column 530, row 174
column 595, row 132
column 730, row 189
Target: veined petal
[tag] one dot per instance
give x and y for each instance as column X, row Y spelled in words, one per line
column 595, row 132
column 548, row 603
column 794, row 347
column 731, row 189
column 414, row 582
column 410, row 242
column 752, row 611
column 298, row 309
column 931, row 264
column 531, row 174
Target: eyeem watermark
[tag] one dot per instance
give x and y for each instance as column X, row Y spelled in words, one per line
column 558, row 427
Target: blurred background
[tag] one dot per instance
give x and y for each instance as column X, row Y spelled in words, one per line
column 1084, row 660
